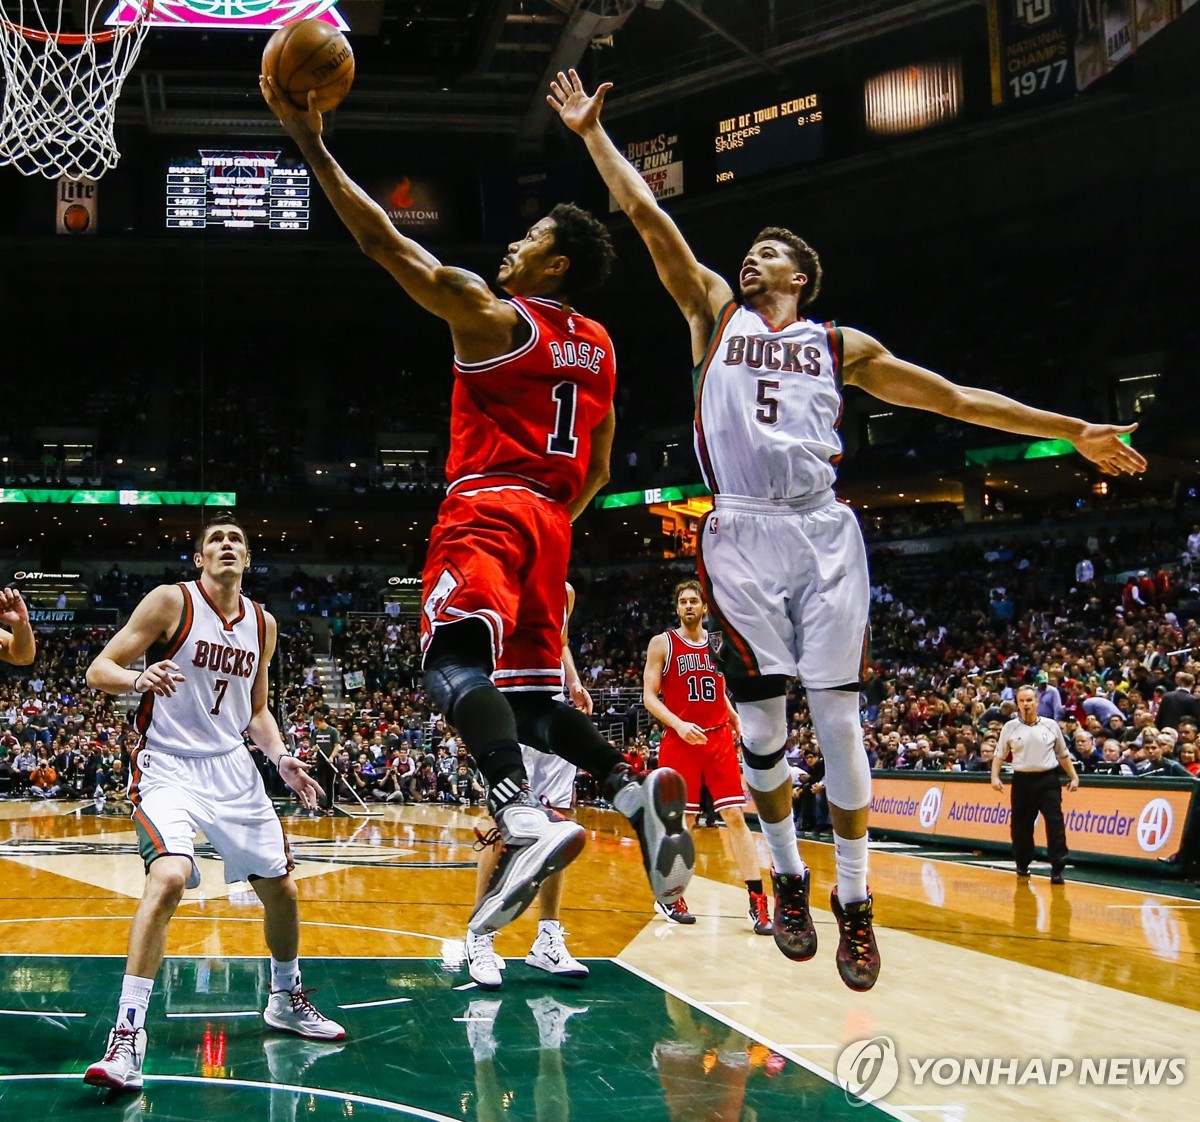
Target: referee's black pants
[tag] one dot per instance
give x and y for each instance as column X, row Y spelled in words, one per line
column 1034, row 793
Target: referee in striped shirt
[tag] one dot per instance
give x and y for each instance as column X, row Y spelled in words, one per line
column 1037, row 748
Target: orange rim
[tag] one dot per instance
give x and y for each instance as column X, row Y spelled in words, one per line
column 74, row 38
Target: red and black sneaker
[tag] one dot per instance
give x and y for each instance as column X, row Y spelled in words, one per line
column 857, row 954
column 760, row 915
column 793, row 928
column 676, row 911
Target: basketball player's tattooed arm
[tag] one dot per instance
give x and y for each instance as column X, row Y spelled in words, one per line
column 17, row 644
column 599, row 461
column 652, row 675
column 481, row 323
column 154, row 620
column 699, row 292
column 872, row 367
column 265, row 732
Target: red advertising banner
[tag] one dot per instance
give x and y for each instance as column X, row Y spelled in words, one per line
column 1136, row 820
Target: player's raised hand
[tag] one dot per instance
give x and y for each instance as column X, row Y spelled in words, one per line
column 300, row 124
column 12, row 607
column 1100, row 444
column 161, row 678
column 578, row 109
column 294, row 773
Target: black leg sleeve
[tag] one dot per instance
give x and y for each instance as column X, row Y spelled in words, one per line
column 551, row 726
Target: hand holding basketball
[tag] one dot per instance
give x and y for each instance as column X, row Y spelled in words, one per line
column 300, row 124
column 308, row 57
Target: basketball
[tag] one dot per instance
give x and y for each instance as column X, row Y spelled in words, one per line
column 310, row 55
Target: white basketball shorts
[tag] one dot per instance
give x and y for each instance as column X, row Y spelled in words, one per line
column 221, row 796
column 787, row 584
column 551, row 778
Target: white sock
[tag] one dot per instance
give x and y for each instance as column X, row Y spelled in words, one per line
column 851, row 856
column 285, row 975
column 135, row 1000
column 781, row 841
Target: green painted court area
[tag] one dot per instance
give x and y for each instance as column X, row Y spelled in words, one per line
column 436, row 1051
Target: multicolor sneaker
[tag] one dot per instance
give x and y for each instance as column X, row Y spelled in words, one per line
column 537, row 844
column 291, row 1011
column 857, row 954
column 121, row 1068
column 793, row 927
column 676, row 911
column 481, row 960
column 760, row 914
column 549, row 952
column 655, row 805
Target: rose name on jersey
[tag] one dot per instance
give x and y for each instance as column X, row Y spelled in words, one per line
column 772, row 354
column 570, row 353
column 233, row 661
column 686, row 663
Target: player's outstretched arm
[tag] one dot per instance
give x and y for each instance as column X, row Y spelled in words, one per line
column 17, row 646
column 456, row 295
column 264, row 730
column 152, row 621
column 872, row 367
column 699, row 292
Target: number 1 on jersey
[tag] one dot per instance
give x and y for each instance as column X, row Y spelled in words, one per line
column 562, row 441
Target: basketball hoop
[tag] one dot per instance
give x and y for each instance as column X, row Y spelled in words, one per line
column 61, row 87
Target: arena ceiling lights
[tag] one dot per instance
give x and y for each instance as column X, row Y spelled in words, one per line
column 229, row 15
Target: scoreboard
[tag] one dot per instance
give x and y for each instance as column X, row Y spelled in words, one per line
column 237, row 190
column 769, row 137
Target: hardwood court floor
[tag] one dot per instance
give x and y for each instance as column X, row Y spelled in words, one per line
column 707, row 1022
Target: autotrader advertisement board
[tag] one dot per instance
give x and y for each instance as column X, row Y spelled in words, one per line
column 1136, row 819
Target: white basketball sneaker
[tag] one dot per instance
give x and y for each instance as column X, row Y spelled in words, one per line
column 549, row 952
column 291, row 1011
column 121, row 1068
column 537, row 844
column 655, row 805
column 481, row 960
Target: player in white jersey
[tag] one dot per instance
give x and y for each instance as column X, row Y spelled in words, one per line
column 552, row 783
column 203, row 691
column 783, row 561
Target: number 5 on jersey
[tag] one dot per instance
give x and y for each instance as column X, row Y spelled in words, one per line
column 767, row 412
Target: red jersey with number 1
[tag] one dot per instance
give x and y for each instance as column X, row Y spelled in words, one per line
column 530, row 413
column 693, row 687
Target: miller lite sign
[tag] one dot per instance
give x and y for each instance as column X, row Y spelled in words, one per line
column 75, row 206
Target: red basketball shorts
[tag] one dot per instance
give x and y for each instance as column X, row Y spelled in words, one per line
column 500, row 556
column 713, row 765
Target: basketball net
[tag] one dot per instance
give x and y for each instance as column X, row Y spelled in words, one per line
column 61, row 87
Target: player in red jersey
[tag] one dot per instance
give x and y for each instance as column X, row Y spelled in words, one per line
column 684, row 688
column 531, row 432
